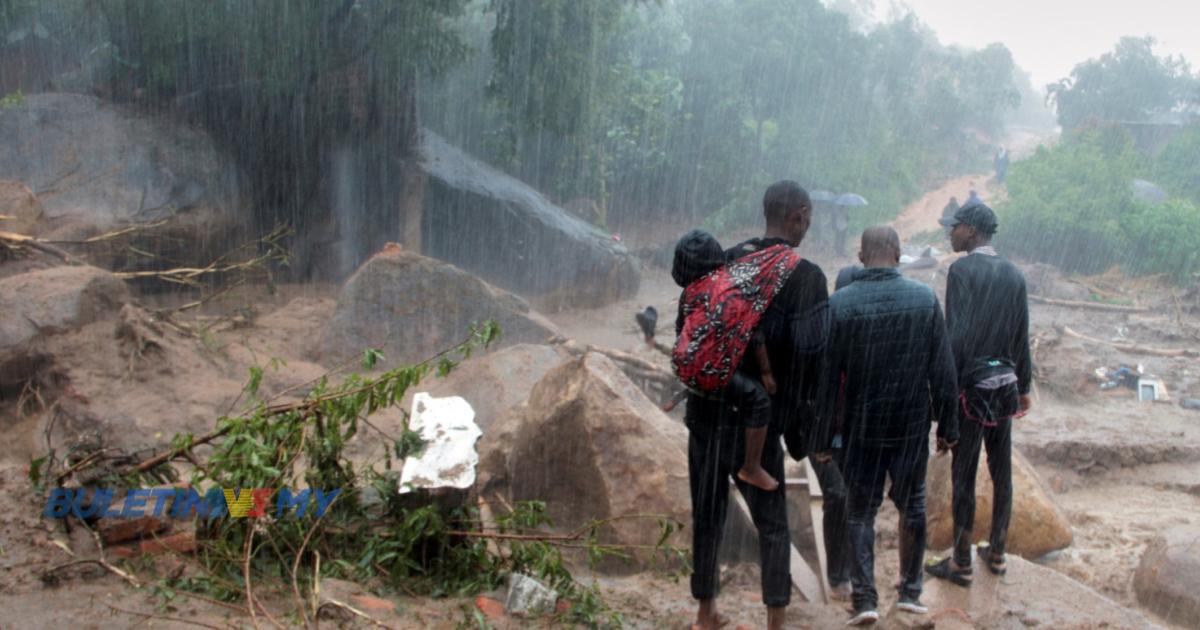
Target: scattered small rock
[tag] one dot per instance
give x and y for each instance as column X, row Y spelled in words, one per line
column 528, row 597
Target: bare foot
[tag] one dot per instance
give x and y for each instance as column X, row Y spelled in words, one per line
column 841, row 592
column 758, row 478
column 776, row 617
column 707, row 617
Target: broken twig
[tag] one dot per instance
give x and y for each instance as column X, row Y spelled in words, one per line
column 163, row 617
column 356, row 612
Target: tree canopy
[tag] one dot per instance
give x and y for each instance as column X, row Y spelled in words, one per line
column 693, row 108
column 1128, row 84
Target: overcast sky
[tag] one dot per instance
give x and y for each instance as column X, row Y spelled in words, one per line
column 1048, row 37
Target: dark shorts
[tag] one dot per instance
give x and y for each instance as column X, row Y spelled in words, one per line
column 750, row 398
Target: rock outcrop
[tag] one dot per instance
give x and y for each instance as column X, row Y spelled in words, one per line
column 95, row 167
column 1038, row 526
column 49, row 301
column 592, row 446
column 1029, row 596
column 495, row 226
column 498, row 381
column 412, row 307
column 1168, row 579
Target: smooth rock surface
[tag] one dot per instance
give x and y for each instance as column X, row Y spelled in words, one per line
column 498, row 227
column 1037, row 527
column 413, row 307
column 1168, row 579
column 592, row 446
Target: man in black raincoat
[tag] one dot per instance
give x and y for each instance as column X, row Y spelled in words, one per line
column 888, row 371
column 987, row 316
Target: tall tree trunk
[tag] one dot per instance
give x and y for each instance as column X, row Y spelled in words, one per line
column 412, row 177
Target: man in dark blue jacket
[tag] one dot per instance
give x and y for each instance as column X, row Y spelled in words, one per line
column 987, row 317
column 889, row 356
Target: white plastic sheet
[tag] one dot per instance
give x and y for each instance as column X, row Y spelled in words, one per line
column 449, row 460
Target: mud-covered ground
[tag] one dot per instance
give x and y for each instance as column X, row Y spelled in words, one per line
column 1122, row 470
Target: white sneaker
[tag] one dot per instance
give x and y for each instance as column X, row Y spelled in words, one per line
column 912, row 606
column 864, row 618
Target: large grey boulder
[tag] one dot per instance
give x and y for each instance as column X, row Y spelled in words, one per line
column 493, row 225
column 496, row 382
column 50, row 301
column 593, row 447
column 95, row 167
column 412, row 307
column 1168, row 579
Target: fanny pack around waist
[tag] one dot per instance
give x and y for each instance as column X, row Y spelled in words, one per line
column 990, row 392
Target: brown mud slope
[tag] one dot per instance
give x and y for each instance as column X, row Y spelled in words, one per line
column 921, row 216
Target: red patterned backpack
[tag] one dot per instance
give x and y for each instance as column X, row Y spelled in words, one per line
column 721, row 311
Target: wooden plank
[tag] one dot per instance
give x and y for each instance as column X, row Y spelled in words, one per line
column 816, row 506
column 810, row 478
column 803, row 577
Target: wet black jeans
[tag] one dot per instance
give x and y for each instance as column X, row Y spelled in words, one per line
column 716, row 449
column 833, row 512
column 998, row 441
column 865, row 471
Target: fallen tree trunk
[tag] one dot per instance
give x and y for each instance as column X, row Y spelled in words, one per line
column 1132, row 348
column 1095, row 306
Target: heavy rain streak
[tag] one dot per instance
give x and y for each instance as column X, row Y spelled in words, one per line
column 599, row 313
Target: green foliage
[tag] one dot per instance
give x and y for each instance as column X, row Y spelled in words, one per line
column 283, row 85
column 1128, row 84
column 1177, row 167
column 12, row 99
column 37, row 466
column 372, row 532
column 1164, row 238
column 1072, row 206
column 692, row 109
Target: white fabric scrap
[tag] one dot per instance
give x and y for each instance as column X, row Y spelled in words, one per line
column 449, row 460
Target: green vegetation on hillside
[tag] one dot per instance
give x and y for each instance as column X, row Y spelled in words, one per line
column 1074, row 206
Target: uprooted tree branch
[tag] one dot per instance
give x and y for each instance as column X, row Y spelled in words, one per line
column 252, row 262
column 371, row 531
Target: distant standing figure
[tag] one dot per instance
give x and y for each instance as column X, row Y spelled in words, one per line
column 888, row 372
column 987, row 317
column 841, row 222
column 1001, row 164
column 951, row 208
column 972, row 199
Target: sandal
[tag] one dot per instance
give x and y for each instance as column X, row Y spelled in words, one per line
column 994, row 563
column 942, row 569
